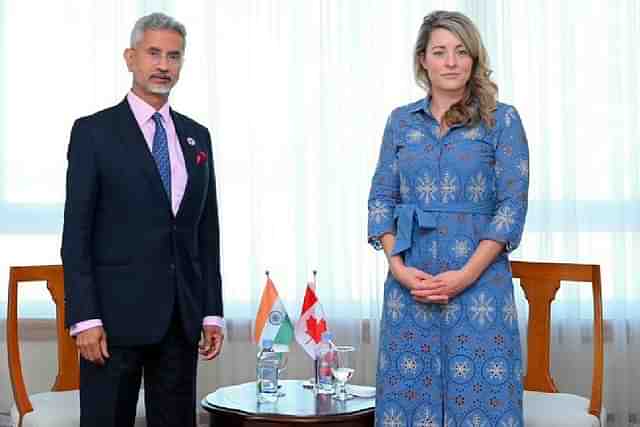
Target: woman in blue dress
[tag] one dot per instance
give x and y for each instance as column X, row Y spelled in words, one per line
column 447, row 204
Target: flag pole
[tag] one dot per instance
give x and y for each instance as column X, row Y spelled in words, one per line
column 316, row 367
column 256, row 321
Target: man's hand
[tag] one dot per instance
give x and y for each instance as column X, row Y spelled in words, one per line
column 211, row 342
column 92, row 345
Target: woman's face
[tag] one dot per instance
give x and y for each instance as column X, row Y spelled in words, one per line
column 447, row 62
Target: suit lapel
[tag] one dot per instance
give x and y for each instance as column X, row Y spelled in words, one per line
column 189, row 155
column 138, row 150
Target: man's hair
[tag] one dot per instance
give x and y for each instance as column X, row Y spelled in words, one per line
column 157, row 21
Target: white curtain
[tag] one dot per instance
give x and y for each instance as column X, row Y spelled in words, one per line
column 296, row 94
column 574, row 73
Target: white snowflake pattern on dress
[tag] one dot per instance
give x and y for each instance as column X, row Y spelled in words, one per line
column 383, row 362
column 425, row 418
column 510, row 422
column 473, row 133
column 509, row 116
column 450, row 312
column 461, row 248
column 496, row 370
column 424, row 313
column 393, row 418
column 448, row 187
column 408, row 365
column 427, row 188
column 395, row 168
column 504, row 218
column 523, row 167
column 477, row 420
column 395, row 304
column 378, row 212
column 436, row 365
column 477, row 188
column 517, row 370
column 482, row 309
column 509, row 311
column 415, row 135
column 433, row 250
column 404, row 188
column 461, row 369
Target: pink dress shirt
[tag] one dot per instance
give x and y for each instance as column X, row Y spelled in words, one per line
column 143, row 112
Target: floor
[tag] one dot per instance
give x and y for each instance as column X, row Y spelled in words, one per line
column 5, row 419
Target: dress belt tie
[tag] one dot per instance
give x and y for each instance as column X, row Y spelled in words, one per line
column 410, row 217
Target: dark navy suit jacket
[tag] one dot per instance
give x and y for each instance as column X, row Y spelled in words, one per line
column 127, row 259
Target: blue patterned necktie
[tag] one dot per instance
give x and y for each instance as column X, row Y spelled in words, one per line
column 160, row 151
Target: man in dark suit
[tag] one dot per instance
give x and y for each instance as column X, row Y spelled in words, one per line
column 141, row 244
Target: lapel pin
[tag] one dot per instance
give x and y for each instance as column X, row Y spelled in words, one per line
column 191, row 141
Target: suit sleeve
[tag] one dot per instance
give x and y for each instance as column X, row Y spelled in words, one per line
column 209, row 241
column 80, row 204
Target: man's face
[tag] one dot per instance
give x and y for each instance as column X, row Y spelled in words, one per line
column 155, row 62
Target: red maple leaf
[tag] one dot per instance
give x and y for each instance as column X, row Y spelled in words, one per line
column 315, row 328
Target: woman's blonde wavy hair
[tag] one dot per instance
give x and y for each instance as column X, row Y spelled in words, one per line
column 480, row 96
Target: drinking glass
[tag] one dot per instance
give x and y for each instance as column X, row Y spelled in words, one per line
column 282, row 366
column 343, row 370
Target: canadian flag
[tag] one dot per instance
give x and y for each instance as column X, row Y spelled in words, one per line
column 312, row 322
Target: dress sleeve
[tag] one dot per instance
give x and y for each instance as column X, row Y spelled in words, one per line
column 385, row 188
column 512, row 182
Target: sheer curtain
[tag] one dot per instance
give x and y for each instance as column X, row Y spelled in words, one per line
column 574, row 74
column 60, row 61
column 296, row 95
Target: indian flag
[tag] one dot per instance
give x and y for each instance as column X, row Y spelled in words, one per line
column 272, row 320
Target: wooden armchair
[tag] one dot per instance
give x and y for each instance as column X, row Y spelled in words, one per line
column 543, row 404
column 60, row 406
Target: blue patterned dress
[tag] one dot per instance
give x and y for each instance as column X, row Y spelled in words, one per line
column 454, row 365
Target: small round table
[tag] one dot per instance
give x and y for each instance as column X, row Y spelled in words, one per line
column 237, row 405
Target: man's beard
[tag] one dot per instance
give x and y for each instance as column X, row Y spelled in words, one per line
column 159, row 89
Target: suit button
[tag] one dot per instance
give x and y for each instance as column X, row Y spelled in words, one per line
column 172, row 267
column 174, row 228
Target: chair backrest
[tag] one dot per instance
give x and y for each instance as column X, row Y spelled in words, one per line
column 540, row 282
column 68, row 377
